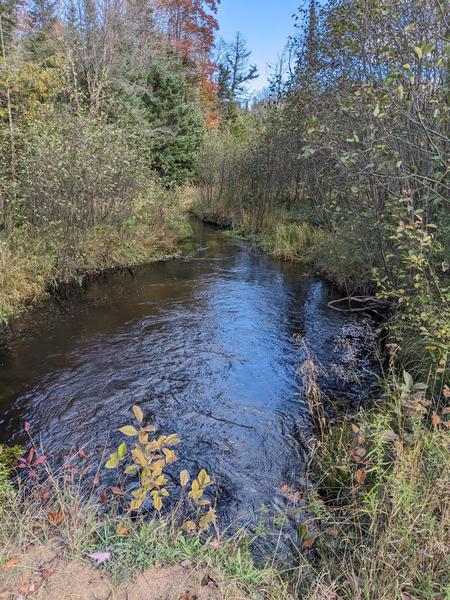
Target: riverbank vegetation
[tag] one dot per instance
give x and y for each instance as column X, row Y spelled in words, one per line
column 342, row 165
column 103, row 109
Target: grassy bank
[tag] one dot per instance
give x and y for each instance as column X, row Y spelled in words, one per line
column 334, row 255
column 374, row 518
column 35, row 261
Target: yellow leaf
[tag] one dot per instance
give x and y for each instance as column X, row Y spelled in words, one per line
column 157, row 500
column 113, row 461
column 139, row 456
column 129, row 430
column 136, row 504
column 203, row 478
column 157, row 465
column 138, row 413
column 156, row 444
column 196, row 492
column 131, row 470
column 189, row 526
column 184, row 478
column 143, row 437
column 172, row 440
column 171, row 457
column 161, row 480
column 207, row 519
column 122, row 531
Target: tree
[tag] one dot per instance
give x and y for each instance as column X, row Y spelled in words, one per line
column 234, row 71
column 190, row 26
column 168, row 123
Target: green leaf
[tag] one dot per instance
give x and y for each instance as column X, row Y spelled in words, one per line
column 113, row 461
column 131, row 470
column 408, row 380
column 122, row 450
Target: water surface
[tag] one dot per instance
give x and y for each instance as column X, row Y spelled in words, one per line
column 208, row 345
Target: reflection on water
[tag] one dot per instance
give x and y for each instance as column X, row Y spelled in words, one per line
column 208, row 345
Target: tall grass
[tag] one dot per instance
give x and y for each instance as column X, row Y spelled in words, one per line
column 296, row 241
column 381, row 503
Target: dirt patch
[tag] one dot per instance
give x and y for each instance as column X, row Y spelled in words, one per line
column 43, row 574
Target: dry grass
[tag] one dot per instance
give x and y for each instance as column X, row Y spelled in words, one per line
column 33, row 261
column 381, row 504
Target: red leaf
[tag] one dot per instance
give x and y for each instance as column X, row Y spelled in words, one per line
column 96, row 480
column 46, row 573
column 31, row 454
column 39, row 461
column 32, row 474
column 117, row 491
column 103, row 496
column 26, row 426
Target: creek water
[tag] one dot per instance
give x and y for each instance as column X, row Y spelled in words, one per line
column 209, row 345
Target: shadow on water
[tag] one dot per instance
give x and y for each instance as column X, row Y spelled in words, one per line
column 208, row 345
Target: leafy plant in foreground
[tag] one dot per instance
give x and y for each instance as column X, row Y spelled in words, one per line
column 150, row 455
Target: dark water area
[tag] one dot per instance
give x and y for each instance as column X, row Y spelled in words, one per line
column 210, row 347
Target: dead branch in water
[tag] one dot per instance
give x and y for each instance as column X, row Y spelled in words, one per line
column 371, row 302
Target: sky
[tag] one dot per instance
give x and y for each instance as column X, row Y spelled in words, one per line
column 265, row 24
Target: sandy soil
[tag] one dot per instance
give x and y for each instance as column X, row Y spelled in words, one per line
column 43, row 575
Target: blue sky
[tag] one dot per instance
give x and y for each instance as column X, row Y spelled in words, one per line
column 266, row 25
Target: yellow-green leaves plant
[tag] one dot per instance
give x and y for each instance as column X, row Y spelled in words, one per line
column 150, row 454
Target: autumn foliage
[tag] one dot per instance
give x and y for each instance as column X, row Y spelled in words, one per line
column 190, row 26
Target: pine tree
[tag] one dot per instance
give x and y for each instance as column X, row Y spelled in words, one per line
column 234, row 71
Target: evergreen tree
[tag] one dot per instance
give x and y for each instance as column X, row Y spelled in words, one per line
column 234, row 71
column 40, row 39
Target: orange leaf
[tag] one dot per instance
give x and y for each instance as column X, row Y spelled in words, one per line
column 55, row 518
column 309, row 542
column 12, row 562
column 360, row 476
column 122, row 531
column 436, row 420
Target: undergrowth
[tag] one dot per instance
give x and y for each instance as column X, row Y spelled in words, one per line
column 380, row 503
column 33, row 262
column 69, row 512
